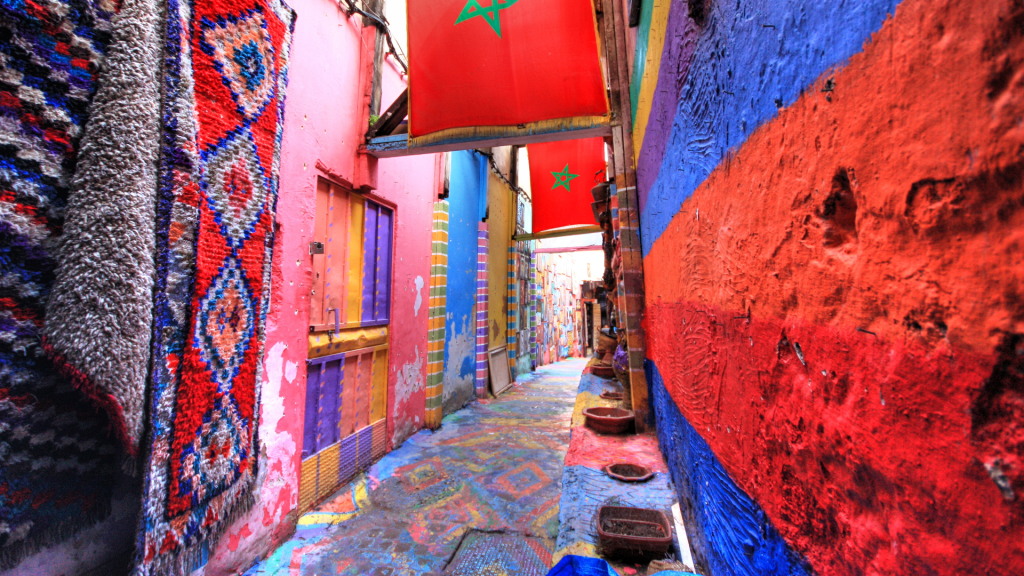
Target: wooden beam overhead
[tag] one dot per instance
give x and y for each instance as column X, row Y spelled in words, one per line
column 391, row 117
column 557, row 233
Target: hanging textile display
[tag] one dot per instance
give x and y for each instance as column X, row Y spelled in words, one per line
column 226, row 73
column 506, row 63
column 100, row 313
column 58, row 461
column 561, row 176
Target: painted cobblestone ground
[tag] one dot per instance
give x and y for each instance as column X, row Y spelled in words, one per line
column 495, row 466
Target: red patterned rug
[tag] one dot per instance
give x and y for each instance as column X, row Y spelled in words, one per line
column 226, row 76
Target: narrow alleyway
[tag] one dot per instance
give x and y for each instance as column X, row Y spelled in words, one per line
column 494, row 467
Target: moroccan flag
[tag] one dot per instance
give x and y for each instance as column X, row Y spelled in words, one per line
column 502, row 63
column 561, row 176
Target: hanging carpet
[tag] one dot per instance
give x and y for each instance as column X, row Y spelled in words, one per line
column 99, row 315
column 507, row 63
column 58, row 461
column 225, row 78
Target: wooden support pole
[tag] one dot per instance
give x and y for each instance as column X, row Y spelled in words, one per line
column 631, row 289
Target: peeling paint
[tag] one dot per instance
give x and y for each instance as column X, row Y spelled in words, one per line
column 459, row 376
column 290, row 370
column 277, row 479
column 838, row 329
column 410, row 381
column 419, row 296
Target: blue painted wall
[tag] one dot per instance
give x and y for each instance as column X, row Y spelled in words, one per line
column 752, row 58
column 729, row 533
column 467, row 186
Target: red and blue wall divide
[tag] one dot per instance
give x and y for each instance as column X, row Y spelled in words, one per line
column 833, row 200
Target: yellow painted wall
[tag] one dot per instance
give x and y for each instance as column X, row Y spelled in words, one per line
column 500, row 213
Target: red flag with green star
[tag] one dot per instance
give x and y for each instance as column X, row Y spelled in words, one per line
column 502, row 63
column 561, row 176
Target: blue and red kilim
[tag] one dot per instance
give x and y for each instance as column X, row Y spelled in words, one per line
column 57, row 457
column 226, row 72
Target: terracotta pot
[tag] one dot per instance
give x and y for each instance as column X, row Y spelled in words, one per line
column 609, row 395
column 607, row 420
column 625, row 472
column 602, row 371
column 606, row 343
column 622, row 530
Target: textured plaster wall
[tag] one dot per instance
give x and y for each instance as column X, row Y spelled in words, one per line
column 558, row 289
column 833, row 217
column 468, row 181
column 325, row 118
column 765, row 53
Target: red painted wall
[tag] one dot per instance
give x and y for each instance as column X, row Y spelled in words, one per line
column 838, row 308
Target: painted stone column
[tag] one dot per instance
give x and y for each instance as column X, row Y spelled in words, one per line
column 436, row 331
column 481, row 311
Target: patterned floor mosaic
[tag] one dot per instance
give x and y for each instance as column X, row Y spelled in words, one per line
column 495, row 466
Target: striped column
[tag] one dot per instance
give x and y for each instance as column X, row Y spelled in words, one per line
column 533, row 311
column 438, row 295
column 620, row 290
column 481, row 310
column 631, row 294
column 512, row 308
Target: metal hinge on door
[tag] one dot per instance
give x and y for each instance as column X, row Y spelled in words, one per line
column 316, row 248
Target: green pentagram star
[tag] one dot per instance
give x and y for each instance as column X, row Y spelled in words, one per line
column 491, row 14
column 563, row 178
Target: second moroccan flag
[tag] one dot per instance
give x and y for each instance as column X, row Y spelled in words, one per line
column 561, row 176
column 501, row 63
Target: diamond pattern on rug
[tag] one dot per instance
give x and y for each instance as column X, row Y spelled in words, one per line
column 244, row 55
column 226, row 70
column 226, row 323
column 236, row 186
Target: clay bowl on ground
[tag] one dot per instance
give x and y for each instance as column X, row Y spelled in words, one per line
column 609, row 395
column 624, row 472
column 602, row 371
column 631, row 531
column 607, row 420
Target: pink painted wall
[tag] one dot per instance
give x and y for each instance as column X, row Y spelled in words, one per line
column 326, row 116
column 411, row 183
